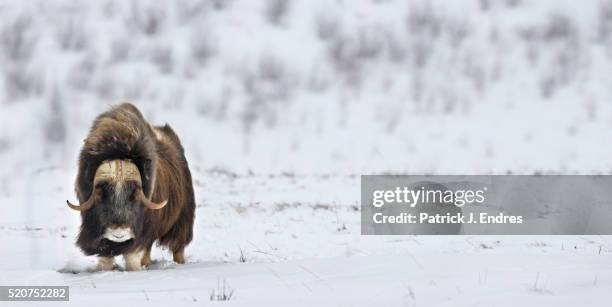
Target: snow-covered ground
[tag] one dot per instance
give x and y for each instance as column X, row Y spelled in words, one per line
column 281, row 105
column 295, row 240
column 441, row 279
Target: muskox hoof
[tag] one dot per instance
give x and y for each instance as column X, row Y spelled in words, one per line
column 133, row 261
column 131, row 268
column 104, row 264
column 146, row 260
column 179, row 257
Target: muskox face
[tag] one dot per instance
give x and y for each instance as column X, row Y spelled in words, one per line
column 118, row 211
column 117, row 200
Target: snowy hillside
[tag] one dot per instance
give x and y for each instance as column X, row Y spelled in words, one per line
column 281, row 105
column 317, row 86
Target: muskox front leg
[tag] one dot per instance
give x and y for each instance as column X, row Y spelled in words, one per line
column 179, row 255
column 104, row 264
column 146, row 259
column 133, row 260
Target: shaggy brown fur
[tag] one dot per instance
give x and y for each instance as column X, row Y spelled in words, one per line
column 122, row 133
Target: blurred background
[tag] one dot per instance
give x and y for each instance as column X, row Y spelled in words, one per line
column 315, row 87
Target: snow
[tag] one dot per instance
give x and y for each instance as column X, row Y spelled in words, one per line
column 279, row 119
column 484, row 279
column 292, row 240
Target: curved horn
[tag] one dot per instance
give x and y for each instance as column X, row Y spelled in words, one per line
column 86, row 205
column 149, row 204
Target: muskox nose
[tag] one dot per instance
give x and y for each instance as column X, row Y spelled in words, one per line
column 118, row 233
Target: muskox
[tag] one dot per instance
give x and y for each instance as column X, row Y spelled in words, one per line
column 134, row 188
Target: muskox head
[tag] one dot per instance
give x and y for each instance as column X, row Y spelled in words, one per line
column 117, row 200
